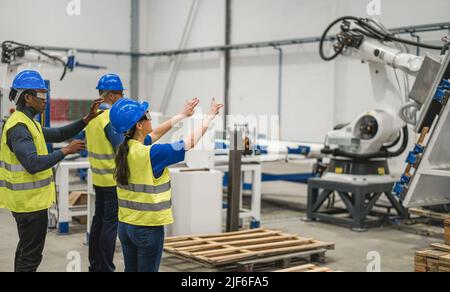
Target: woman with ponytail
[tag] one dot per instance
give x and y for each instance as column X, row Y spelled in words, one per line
column 122, row 172
column 143, row 182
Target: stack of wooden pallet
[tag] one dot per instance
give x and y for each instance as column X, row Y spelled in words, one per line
column 447, row 232
column 309, row 268
column 428, row 260
column 437, row 216
column 444, row 264
column 436, row 259
column 230, row 248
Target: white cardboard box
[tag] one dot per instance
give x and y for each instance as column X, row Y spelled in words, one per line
column 196, row 202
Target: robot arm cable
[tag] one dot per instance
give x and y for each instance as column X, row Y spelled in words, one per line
column 364, row 28
column 9, row 51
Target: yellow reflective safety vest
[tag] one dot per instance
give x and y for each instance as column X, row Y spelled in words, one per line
column 146, row 200
column 20, row 191
column 101, row 152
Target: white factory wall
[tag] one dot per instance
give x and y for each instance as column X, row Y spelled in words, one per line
column 316, row 94
column 102, row 24
column 200, row 75
column 307, row 102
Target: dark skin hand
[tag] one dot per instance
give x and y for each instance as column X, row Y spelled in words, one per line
column 74, row 147
column 77, row 145
column 94, row 111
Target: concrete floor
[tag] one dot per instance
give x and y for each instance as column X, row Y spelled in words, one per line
column 396, row 248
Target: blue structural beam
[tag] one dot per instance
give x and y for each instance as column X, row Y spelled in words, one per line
column 301, row 178
column 221, row 146
column 63, row 227
column 301, row 150
column 263, row 150
column 296, row 177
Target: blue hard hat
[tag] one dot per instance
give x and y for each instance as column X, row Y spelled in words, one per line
column 29, row 79
column 125, row 113
column 110, row 82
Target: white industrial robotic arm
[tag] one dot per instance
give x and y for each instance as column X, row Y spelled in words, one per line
column 14, row 55
column 374, row 51
column 374, row 132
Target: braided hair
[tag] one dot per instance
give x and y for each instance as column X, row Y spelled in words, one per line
column 122, row 172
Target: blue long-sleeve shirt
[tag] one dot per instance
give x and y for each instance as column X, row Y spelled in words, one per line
column 113, row 137
column 20, row 141
column 161, row 155
column 165, row 155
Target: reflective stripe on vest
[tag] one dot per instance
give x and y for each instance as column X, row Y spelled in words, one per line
column 26, row 186
column 102, row 171
column 12, row 168
column 100, row 151
column 145, row 207
column 146, row 200
column 21, row 191
column 101, row 156
column 153, row 190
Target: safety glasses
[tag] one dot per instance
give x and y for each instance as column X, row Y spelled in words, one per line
column 119, row 93
column 146, row 117
column 41, row 96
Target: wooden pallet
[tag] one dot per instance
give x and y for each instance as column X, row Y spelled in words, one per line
column 229, row 248
column 420, row 261
column 281, row 261
column 447, row 232
column 309, row 268
column 441, row 247
column 429, row 214
column 436, row 259
column 426, row 223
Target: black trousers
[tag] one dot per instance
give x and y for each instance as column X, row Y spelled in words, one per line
column 103, row 236
column 32, row 229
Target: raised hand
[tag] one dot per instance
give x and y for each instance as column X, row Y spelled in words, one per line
column 189, row 107
column 94, row 112
column 215, row 108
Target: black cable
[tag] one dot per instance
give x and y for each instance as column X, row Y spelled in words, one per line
column 412, row 43
column 388, row 37
column 28, row 48
column 324, row 38
column 393, row 144
column 370, row 31
column 366, row 33
column 404, row 144
column 363, row 23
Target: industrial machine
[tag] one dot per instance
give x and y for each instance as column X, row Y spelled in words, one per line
column 426, row 179
column 15, row 55
column 359, row 171
column 363, row 146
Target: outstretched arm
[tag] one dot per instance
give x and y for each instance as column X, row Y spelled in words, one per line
column 198, row 133
column 161, row 130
